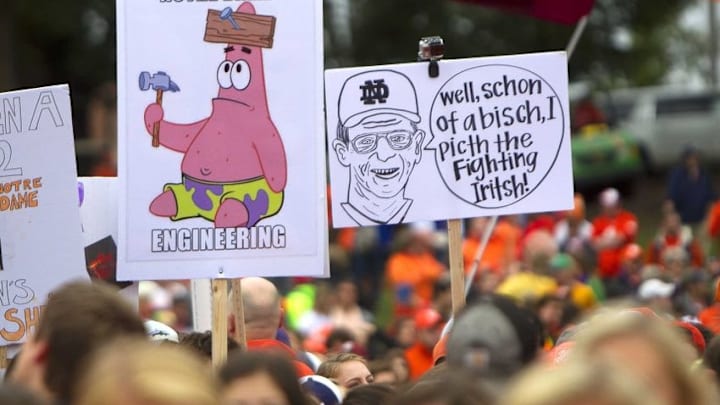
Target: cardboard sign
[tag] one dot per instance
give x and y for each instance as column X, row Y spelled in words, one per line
column 40, row 241
column 99, row 217
column 489, row 136
column 221, row 167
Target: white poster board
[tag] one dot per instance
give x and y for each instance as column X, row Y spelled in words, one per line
column 488, row 136
column 40, row 241
column 99, row 217
column 236, row 186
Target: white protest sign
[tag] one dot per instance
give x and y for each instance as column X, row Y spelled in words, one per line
column 488, row 136
column 40, row 241
column 99, row 217
column 220, row 158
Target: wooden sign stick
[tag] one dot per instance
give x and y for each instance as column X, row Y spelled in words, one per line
column 219, row 322
column 239, row 314
column 457, row 273
column 3, row 358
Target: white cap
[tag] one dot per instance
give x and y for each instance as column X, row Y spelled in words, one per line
column 158, row 331
column 655, row 288
column 609, row 197
column 377, row 92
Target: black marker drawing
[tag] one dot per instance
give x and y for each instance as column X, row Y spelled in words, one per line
column 2, row 267
column 379, row 141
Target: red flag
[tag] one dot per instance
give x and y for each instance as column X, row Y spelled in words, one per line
column 559, row 11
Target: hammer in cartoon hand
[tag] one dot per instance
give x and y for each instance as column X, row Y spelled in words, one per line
column 159, row 82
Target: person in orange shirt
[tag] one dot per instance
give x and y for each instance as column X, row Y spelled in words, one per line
column 674, row 234
column 613, row 230
column 429, row 325
column 501, row 249
column 413, row 270
column 710, row 316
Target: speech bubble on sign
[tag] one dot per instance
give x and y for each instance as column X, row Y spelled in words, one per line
column 497, row 132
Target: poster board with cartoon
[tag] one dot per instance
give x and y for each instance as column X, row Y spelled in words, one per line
column 488, row 136
column 220, row 139
column 40, row 241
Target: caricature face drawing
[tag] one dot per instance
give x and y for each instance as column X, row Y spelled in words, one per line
column 379, row 141
column 381, row 152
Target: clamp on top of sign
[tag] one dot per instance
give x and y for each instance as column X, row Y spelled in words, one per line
column 431, row 49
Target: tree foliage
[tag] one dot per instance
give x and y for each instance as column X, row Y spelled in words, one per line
column 626, row 41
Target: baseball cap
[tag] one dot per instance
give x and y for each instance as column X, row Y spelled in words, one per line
column 322, row 389
column 158, row 332
column 494, row 339
column 655, row 288
column 377, row 92
column 427, row 318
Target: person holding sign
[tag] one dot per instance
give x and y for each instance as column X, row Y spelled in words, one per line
column 378, row 139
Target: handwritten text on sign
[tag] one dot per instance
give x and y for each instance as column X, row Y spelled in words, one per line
column 486, row 123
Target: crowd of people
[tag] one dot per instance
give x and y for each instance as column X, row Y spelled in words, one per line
column 563, row 310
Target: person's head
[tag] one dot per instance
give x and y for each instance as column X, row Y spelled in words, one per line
column 476, row 227
column 539, row 248
column 346, row 370
column 261, row 303
column 675, row 261
column 377, row 133
column 632, row 258
column 577, row 384
column 672, row 224
column 691, row 158
column 12, row 395
column 577, row 214
column 399, row 364
column 339, row 340
column 429, row 325
column 509, row 340
column 372, row 394
column 610, row 201
column 79, row 318
column 383, row 372
column 656, row 294
column 258, row 378
column 442, row 295
column 651, row 350
column 550, row 311
column 404, row 331
column 134, row 371
column 201, row 343
column 325, row 298
column 564, row 269
column 346, row 293
column 444, row 387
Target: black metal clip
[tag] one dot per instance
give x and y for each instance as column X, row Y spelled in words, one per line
column 431, row 49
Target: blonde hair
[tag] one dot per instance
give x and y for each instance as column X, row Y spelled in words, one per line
column 330, row 368
column 663, row 339
column 575, row 382
column 138, row 370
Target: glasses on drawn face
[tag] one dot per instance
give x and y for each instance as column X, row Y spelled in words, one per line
column 366, row 143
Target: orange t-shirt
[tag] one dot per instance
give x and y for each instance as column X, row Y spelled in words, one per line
column 499, row 252
column 418, row 271
column 625, row 224
column 710, row 318
column 420, row 360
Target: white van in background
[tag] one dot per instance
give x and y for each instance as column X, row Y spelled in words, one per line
column 667, row 120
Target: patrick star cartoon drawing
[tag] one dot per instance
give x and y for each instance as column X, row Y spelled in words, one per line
column 234, row 168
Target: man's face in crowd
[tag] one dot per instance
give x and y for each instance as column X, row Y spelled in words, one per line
column 381, row 153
